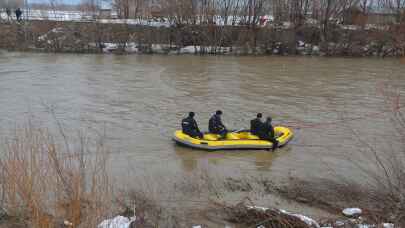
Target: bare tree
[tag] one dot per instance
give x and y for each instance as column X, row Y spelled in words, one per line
column 279, row 10
column 89, row 6
column 251, row 11
column 208, row 11
column 331, row 12
column 236, row 9
column 181, row 11
column 225, row 9
column 395, row 6
column 298, row 11
column 129, row 8
column 366, row 6
column 53, row 5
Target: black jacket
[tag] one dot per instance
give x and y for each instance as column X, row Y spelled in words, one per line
column 189, row 125
column 18, row 12
column 215, row 124
column 267, row 130
column 255, row 126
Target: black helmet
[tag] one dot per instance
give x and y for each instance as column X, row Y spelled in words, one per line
column 218, row 112
column 191, row 114
column 259, row 115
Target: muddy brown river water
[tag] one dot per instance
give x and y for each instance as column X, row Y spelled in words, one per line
column 139, row 100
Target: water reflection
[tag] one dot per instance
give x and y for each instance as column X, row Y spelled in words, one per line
column 192, row 160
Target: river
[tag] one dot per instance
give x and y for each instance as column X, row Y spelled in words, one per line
column 139, row 100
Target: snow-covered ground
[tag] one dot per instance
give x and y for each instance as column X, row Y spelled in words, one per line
column 54, row 15
column 162, row 48
column 80, row 16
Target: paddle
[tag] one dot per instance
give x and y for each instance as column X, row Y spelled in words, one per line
column 237, row 131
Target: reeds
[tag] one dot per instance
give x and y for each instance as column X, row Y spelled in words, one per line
column 47, row 183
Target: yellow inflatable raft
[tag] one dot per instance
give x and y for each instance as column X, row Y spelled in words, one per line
column 234, row 140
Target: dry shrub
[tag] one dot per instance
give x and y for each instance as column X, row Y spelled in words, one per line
column 378, row 206
column 385, row 184
column 333, row 196
column 46, row 183
column 140, row 204
column 271, row 218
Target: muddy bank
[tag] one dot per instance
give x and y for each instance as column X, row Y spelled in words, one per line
column 89, row 37
column 138, row 208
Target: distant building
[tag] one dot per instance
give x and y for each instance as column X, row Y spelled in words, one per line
column 105, row 10
column 354, row 16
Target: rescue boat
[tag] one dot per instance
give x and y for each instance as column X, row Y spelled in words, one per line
column 234, row 140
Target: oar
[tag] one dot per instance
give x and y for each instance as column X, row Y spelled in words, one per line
column 237, row 131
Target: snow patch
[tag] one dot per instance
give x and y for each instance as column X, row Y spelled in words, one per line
column 352, row 212
column 189, row 50
column 117, row 222
column 52, row 31
column 67, row 223
column 365, row 226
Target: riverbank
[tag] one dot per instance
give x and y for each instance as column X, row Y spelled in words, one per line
column 206, row 202
column 94, row 37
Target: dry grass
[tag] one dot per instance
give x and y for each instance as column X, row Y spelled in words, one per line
column 46, row 183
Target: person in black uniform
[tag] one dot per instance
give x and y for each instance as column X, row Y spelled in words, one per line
column 267, row 133
column 256, row 124
column 189, row 126
column 8, row 12
column 18, row 14
column 216, row 126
